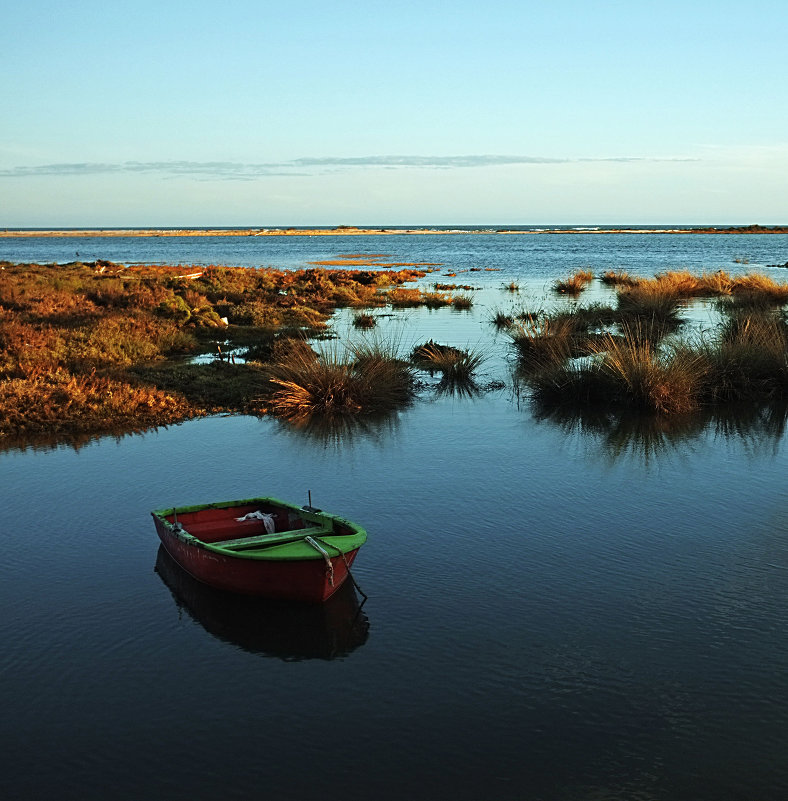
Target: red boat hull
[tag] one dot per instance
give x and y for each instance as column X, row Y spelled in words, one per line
column 296, row 580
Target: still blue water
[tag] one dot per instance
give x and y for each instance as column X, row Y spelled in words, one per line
column 554, row 612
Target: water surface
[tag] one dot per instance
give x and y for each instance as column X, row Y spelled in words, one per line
column 557, row 610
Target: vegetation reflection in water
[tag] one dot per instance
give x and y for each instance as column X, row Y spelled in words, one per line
column 647, row 436
column 286, row 630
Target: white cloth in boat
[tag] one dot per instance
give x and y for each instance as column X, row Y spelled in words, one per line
column 268, row 520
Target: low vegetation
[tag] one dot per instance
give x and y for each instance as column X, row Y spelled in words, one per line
column 365, row 379
column 94, row 347
column 89, row 347
column 575, row 283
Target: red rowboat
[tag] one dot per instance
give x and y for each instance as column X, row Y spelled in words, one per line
column 262, row 546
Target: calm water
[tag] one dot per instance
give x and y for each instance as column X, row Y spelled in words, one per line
column 556, row 610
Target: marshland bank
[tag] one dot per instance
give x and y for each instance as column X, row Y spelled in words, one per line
column 99, row 346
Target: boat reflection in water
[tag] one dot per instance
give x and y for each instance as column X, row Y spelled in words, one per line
column 286, row 630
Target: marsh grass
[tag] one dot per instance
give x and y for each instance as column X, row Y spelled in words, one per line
column 67, row 330
column 574, row 284
column 748, row 359
column 541, row 342
column 626, row 372
column 435, row 300
column 651, row 310
column 462, row 302
column 617, row 278
column 58, row 402
column 455, row 364
column 683, row 284
column 364, row 378
column 501, row 320
column 364, row 320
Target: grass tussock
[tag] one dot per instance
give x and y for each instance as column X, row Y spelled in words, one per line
column 683, row 285
column 626, row 372
column 745, row 361
column 367, row 379
column 541, row 342
column 574, row 284
column 617, row 278
column 453, row 363
column 364, row 320
column 748, row 359
column 501, row 320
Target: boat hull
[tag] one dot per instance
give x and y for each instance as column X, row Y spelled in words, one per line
column 310, row 580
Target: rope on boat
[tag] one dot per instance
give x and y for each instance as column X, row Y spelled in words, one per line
column 347, row 566
column 326, row 556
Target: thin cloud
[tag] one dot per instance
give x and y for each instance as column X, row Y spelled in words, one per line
column 243, row 171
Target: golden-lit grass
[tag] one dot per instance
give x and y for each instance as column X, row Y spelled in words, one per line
column 749, row 358
column 364, row 320
column 368, row 379
column 617, row 278
column 58, row 402
column 462, row 302
column 404, row 298
column 541, row 342
column 682, row 284
column 85, row 345
column 575, row 283
column 454, row 363
column 435, row 300
column 627, row 372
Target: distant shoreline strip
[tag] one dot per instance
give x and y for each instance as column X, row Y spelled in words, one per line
column 353, row 231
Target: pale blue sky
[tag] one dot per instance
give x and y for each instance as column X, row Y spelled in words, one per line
column 320, row 113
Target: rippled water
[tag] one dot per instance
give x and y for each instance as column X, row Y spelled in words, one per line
column 557, row 609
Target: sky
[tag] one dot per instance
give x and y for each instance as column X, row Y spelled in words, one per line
column 397, row 113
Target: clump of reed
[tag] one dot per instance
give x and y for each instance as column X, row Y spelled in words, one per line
column 453, row 363
column 617, row 278
column 575, row 283
column 682, row 284
column 435, row 300
column 650, row 309
column 513, row 286
column 405, row 298
column 501, row 320
column 626, row 372
column 541, row 341
column 462, row 302
column 748, row 359
column 366, row 379
column 364, row 320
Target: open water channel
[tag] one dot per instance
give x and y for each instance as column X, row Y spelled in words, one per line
column 556, row 610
